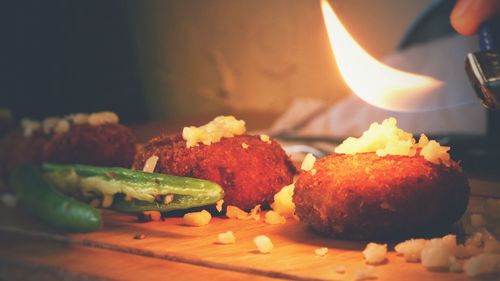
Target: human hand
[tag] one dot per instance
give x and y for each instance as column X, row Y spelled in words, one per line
column 468, row 15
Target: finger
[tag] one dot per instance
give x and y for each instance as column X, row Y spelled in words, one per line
column 468, row 15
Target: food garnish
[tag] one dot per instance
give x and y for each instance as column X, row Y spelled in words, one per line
column 42, row 200
column 214, row 131
column 263, row 243
column 340, row 269
column 197, row 218
column 436, row 252
column 56, row 125
column 365, row 273
column 411, row 249
column 308, row 162
column 132, row 191
column 387, row 139
column 321, row 251
column 150, row 164
column 482, row 265
column 140, row 236
column 283, row 201
column 152, row 215
column 481, row 248
column 375, row 253
column 273, row 217
column 234, row 212
column 218, row 205
column 455, row 266
column 99, row 118
column 265, row 138
column 226, row 237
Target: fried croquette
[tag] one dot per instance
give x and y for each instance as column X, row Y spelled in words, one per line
column 104, row 145
column 249, row 170
column 368, row 197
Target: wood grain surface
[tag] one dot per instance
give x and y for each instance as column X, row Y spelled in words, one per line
column 182, row 252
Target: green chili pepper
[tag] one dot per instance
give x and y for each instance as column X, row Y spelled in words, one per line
column 132, row 191
column 41, row 199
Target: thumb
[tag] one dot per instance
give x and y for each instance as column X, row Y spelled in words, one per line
column 468, row 15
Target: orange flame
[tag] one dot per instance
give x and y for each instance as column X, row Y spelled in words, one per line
column 373, row 81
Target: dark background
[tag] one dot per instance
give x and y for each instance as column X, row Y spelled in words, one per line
column 63, row 57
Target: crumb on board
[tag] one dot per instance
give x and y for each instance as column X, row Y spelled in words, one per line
column 436, row 252
column 455, row 266
column 197, row 218
column 140, row 236
column 244, row 145
column 411, row 249
column 273, row 217
column 321, row 251
column 365, row 273
column 234, row 212
column 107, row 200
column 218, row 205
column 264, row 244
column 481, row 249
column 482, row 265
column 340, row 269
column 152, row 215
column 375, row 253
column 226, row 238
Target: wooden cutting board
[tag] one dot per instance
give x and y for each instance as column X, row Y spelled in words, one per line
column 194, row 251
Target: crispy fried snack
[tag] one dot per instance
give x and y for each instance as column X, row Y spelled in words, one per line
column 368, row 197
column 104, row 145
column 249, row 170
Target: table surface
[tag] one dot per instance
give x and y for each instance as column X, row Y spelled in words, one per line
column 171, row 250
column 30, row 249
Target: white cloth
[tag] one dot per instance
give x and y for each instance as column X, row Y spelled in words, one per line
column 443, row 59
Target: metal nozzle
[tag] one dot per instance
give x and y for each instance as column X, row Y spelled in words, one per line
column 483, row 69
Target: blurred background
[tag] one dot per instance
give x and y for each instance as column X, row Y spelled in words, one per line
column 151, row 60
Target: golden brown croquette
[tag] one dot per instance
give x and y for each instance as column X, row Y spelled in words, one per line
column 368, row 197
column 249, row 170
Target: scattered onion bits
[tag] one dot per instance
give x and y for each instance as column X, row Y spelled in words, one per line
column 197, row 218
column 264, row 244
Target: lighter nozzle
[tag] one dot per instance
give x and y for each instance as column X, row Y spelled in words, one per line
column 483, row 70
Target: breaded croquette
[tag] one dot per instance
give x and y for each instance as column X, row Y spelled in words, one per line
column 368, row 197
column 249, row 170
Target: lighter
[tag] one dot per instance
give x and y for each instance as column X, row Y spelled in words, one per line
column 483, row 68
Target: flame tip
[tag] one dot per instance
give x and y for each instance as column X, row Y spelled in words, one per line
column 370, row 79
